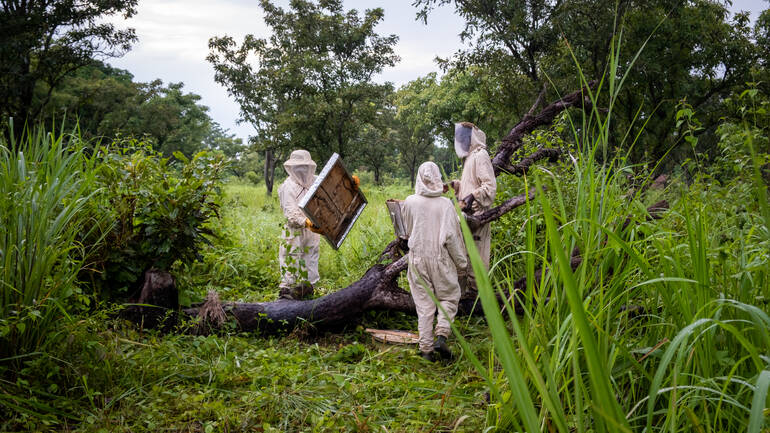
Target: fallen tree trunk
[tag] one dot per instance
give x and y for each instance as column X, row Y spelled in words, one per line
column 378, row 288
column 334, row 308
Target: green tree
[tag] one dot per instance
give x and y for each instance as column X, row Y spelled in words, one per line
column 376, row 146
column 99, row 97
column 703, row 64
column 428, row 109
column 515, row 35
column 247, row 161
column 42, row 41
column 220, row 139
column 415, row 128
column 174, row 119
column 696, row 49
column 105, row 101
column 762, row 36
column 312, row 84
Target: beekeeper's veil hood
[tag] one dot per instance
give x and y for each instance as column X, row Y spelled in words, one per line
column 468, row 137
column 301, row 168
column 428, row 182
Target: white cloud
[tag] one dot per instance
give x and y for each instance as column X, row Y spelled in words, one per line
column 181, row 28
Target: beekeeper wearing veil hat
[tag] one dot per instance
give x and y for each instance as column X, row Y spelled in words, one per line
column 477, row 187
column 298, row 253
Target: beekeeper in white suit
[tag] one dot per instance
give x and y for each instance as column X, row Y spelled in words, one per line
column 477, row 187
column 299, row 250
column 436, row 253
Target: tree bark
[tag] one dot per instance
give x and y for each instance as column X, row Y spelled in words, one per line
column 497, row 212
column 512, row 142
column 269, row 170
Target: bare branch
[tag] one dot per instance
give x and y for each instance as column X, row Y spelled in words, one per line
column 512, row 142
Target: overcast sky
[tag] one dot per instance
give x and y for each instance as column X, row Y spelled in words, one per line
column 174, row 34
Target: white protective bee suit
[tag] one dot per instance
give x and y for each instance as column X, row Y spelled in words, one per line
column 436, row 253
column 299, row 249
column 478, row 180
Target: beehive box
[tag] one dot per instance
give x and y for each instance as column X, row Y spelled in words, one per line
column 333, row 203
column 394, row 210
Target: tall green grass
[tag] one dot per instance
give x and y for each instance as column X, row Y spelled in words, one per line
column 44, row 189
column 698, row 359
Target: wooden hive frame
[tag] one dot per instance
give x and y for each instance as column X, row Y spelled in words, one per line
column 334, row 202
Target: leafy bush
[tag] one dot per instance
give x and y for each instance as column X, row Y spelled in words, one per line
column 160, row 207
column 252, row 177
column 750, row 121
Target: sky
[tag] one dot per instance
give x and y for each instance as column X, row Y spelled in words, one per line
column 173, row 43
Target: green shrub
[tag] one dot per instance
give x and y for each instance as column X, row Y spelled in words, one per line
column 252, row 177
column 751, row 120
column 160, row 207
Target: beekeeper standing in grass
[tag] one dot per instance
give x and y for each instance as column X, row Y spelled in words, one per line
column 436, row 253
column 477, row 186
column 299, row 250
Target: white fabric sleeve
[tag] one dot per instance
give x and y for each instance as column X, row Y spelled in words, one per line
column 485, row 174
column 290, row 206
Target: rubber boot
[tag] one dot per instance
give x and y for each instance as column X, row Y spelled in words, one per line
column 429, row 356
column 442, row 348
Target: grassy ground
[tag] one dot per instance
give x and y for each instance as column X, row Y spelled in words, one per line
column 700, row 348
column 121, row 379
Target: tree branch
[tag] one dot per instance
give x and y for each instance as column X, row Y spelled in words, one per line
column 512, row 142
column 479, row 220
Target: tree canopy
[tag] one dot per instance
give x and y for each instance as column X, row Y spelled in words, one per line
column 106, row 102
column 43, row 41
column 695, row 49
column 310, row 83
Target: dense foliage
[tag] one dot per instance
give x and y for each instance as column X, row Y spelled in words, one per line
column 695, row 49
column 159, row 207
column 105, row 102
column 45, row 191
column 80, row 224
column 41, row 42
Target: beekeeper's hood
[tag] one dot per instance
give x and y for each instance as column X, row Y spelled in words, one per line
column 301, row 168
column 428, row 182
column 468, row 137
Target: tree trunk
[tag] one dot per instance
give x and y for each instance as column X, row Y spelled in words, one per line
column 158, row 297
column 376, row 290
column 269, row 170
